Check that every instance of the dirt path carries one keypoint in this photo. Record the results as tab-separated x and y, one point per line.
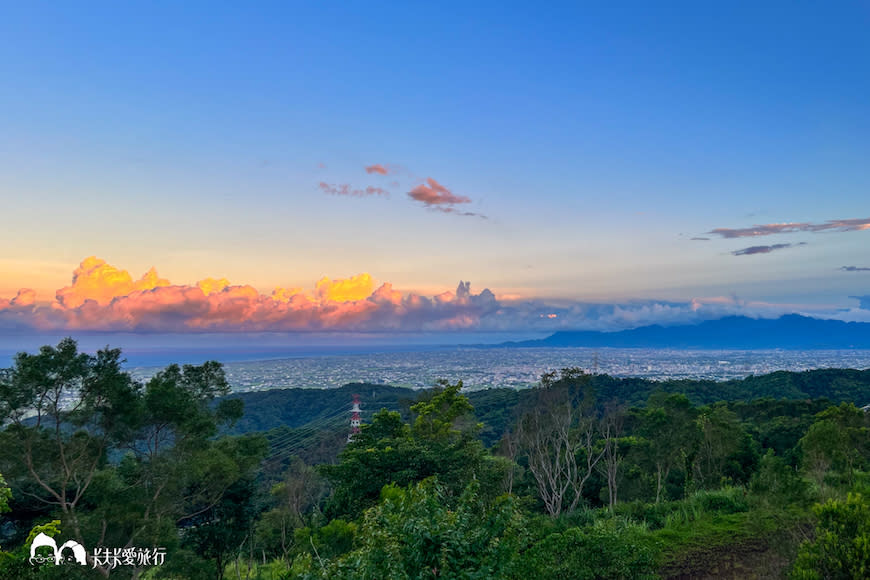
747	561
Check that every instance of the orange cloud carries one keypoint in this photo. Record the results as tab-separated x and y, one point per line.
210	285
287	294
433	193
437	197
379	169
354	288
96	280
25	297
386	294
105	298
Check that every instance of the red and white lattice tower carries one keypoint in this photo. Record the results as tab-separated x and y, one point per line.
355	419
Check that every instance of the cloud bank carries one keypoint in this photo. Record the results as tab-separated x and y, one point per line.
854	269
104	298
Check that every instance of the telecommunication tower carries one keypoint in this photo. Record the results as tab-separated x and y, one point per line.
355	419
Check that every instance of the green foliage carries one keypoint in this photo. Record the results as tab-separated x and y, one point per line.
294	408
698	505
777	484
668	425
418	532
328	541
837	440
16	565
437	417
495	407
416	494
441	443
719	443
841	547
292	499
5	495
612	548
118	463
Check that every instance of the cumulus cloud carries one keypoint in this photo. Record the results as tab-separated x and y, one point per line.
854	269
379	169
347	189
96	280
24	298
104	298
844	225
764	249
354	288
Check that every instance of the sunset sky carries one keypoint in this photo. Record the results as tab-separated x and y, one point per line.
343	166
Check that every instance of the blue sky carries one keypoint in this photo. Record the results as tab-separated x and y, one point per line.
596	141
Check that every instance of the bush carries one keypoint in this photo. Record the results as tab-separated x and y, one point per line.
841	548
613	548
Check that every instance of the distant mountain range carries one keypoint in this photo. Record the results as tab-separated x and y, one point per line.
733	332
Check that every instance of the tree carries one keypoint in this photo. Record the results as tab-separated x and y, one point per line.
298	493
612	424
837	439
558	435
220	533
65	411
442	441
668	424
176	473
5	495
719	438
122	465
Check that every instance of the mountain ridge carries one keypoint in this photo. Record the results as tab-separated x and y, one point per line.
791	331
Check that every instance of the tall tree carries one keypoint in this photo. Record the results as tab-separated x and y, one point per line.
612	424
839	439
122	465
668	424
558	434
441	441
65	410
719	437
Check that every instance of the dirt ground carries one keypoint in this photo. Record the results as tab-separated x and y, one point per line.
756	560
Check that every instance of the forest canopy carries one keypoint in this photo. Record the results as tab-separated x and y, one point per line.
580	476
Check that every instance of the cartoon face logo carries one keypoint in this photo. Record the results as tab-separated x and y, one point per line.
77	551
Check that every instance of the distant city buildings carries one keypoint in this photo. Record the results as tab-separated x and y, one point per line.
520	367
